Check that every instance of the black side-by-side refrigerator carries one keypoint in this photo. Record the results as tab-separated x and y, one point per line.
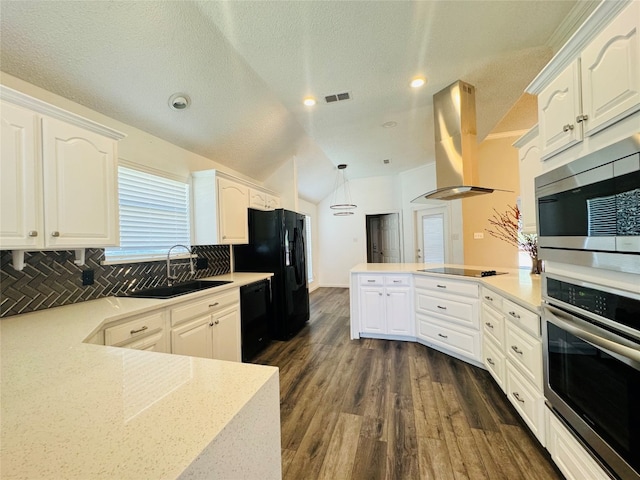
277	244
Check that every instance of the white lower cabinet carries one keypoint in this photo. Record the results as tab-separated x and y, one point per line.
447	314
567	453
385	305
208	328
147	331
512	353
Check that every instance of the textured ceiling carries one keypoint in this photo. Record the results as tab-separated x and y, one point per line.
248	64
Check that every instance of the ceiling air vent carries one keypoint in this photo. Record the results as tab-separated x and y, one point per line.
337	97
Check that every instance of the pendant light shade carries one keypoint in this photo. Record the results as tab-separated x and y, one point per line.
341	194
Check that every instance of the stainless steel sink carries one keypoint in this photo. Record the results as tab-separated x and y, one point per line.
176	290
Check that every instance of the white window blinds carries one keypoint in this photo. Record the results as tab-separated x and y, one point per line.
154	216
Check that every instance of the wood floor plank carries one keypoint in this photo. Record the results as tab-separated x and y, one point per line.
434	460
532	462
402	447
311	453
475	409
355	395
370	461
341	452
450	423
427	416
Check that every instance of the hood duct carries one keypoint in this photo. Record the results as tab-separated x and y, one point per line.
454	110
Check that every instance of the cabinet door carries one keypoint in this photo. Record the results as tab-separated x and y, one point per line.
372	310
558	107
193	338
273	202
80	187
233	201
20	180
530	168
226	335
257	199
399	311
611	72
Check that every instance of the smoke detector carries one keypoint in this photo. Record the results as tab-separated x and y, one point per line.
179	101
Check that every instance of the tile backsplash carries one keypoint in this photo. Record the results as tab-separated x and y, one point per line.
50	279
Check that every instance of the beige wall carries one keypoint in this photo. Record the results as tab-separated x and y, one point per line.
497	168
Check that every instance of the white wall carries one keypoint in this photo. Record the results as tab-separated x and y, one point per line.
311	209
285	181
343	239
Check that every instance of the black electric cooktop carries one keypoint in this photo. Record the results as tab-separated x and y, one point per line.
465	272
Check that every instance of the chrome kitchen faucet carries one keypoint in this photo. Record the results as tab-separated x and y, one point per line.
170	277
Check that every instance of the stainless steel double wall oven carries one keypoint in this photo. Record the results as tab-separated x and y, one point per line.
589	215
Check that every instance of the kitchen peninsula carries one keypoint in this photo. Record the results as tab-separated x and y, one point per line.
77	410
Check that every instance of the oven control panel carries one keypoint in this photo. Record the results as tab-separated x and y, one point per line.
618	308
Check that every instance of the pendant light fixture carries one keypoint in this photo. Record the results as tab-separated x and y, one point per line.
341	194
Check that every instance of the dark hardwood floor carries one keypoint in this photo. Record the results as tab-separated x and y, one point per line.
381	409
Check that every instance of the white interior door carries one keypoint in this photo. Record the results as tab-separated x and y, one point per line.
390	238
432	227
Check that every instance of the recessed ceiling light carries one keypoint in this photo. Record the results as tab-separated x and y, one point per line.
179	101
309	101
390	124
418	82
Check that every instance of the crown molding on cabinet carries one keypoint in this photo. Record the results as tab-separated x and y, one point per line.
44	108
600	18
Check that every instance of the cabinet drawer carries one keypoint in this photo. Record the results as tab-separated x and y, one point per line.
494	361
467	289
493	325
371	280
397	280
461	340
152	343
526	352
460	312
528	402
526	319
491	298
210	304
137	327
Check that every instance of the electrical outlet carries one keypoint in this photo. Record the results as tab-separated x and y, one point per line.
87	277
478	236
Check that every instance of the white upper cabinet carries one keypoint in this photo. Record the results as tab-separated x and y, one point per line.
262	200
611	72
558	107
20	180
80	185
589	94
220	207
233	201
58	178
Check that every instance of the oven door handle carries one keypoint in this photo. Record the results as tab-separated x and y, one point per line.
593	335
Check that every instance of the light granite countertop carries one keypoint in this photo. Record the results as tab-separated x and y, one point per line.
76	410
517	285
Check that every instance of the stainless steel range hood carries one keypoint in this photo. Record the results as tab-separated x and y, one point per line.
454	110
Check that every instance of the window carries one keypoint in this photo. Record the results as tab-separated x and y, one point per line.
309	247
154	216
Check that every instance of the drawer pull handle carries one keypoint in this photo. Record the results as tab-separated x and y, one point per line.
443	336
489	324
441	308
371	281
515	349
142	329
388	294
440	286
55	234
490	362
514	315
33	233
517	397
214	304
380	293
397	281
487	297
